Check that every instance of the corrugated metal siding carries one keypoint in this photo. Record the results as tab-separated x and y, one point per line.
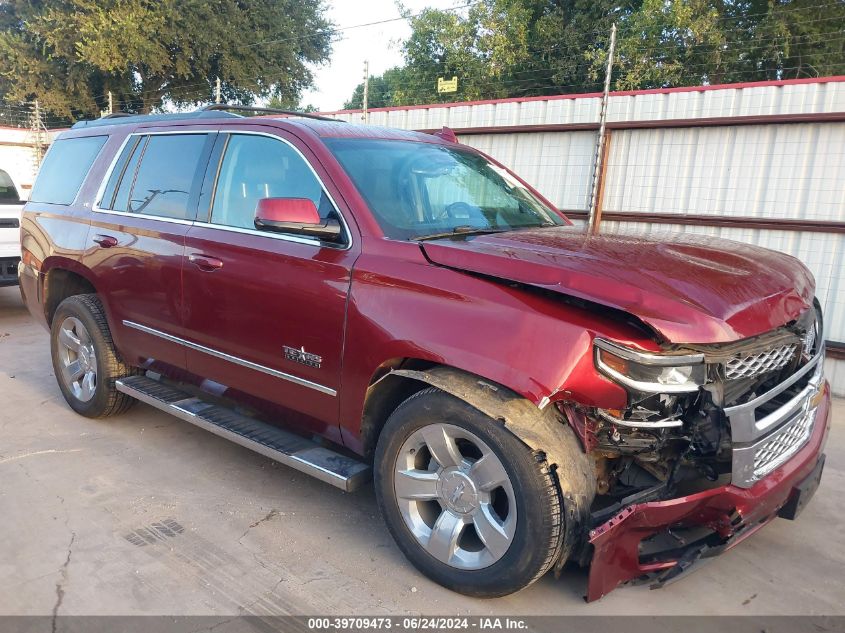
569	111
834	371
786	171
746	100
557	164
801	98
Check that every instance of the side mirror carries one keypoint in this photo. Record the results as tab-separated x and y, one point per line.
298	216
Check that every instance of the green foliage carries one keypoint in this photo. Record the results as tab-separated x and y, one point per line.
689	42
290	104
498	48
518	48
380	92
70	53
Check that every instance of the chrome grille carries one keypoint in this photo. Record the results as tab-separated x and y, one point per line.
783	444
756	364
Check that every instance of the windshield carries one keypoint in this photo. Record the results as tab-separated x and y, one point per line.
417	190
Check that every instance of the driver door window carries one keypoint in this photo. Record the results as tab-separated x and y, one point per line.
256	167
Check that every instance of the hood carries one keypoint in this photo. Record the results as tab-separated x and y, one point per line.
690	289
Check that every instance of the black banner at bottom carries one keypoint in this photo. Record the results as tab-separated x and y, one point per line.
427	624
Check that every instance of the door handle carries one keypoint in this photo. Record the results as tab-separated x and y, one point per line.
106	241
204	262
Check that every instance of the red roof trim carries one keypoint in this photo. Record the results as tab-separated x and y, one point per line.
621	93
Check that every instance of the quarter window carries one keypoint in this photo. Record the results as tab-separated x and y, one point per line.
64	169
256	167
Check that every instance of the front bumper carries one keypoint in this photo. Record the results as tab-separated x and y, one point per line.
731	513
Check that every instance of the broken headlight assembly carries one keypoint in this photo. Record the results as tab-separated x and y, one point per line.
811	325
669	417
650	373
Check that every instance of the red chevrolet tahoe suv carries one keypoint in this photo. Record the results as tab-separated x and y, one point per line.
362	302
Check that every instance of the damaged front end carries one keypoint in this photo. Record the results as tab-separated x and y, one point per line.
714	442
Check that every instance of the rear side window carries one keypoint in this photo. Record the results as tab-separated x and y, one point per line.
64	169
155	174
8	193
131	150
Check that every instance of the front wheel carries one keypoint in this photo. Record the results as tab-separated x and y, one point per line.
470	505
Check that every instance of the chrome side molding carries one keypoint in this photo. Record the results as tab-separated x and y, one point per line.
232	359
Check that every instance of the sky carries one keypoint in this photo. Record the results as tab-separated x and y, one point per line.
335	81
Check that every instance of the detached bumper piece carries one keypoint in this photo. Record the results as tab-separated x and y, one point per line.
657	541
304	455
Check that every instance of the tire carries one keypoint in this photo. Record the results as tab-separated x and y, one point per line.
85	360
520	538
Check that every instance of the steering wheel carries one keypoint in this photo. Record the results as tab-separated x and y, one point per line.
461	210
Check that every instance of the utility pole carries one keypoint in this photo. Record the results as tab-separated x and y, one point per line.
366	115
601	144
38	131
217	96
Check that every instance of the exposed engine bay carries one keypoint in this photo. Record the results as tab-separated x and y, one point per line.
679	441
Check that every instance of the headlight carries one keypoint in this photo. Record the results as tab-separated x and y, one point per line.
651	373
810	339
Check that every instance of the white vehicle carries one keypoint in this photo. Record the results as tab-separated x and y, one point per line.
10	231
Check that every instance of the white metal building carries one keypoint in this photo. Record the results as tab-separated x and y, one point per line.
17	156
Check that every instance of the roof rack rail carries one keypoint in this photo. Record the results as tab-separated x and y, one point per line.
123	118
227	107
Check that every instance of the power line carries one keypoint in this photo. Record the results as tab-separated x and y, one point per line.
364	25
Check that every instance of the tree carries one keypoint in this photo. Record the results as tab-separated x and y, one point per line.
70	53
690	42
498	48
519	48
380	91
290	104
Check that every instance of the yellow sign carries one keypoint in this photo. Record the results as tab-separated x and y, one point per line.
447	85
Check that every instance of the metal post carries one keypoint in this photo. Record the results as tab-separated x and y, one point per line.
598	166
217	91
365	114
38	139
111	104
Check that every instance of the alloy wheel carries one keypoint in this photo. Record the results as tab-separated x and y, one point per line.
78	360
455	496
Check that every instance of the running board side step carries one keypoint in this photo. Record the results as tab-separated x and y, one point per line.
282	446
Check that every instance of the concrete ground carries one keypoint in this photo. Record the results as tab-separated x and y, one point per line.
238	533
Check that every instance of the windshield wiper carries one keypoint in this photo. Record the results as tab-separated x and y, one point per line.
460	230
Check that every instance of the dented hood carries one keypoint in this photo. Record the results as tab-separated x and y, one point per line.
691	289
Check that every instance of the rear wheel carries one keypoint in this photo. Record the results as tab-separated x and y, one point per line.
85	360
469	504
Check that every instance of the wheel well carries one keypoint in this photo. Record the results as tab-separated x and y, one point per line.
385	393
60	284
